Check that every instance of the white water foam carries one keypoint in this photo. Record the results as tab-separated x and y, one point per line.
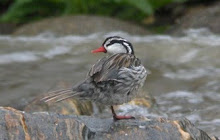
28	56
189	74
48	41
213	122
25	56
202	37
59	50
188	56
191	97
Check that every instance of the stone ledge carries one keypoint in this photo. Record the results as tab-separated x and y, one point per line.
15	124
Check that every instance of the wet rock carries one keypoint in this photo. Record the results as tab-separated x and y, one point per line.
20	125
207	16
17	125
80	25
150	129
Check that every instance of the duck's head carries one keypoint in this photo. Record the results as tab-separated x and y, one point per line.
115	44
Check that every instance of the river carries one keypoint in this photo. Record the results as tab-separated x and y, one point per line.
184	79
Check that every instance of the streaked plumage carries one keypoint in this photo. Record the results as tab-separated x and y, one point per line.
112	80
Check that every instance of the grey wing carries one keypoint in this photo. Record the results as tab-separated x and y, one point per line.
108	68
97	67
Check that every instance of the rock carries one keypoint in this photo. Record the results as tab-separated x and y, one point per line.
80	25
18	125
7	28
198	17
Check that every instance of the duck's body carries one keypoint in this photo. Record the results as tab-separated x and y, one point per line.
113	80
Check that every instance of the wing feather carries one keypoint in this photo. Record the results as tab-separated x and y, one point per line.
107	68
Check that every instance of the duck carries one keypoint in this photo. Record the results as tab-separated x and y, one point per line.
113	80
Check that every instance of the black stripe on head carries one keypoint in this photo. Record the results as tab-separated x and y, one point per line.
117	39
108	38
128	46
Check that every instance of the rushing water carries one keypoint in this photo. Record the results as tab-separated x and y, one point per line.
184	79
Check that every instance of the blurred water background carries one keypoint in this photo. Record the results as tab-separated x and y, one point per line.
184	79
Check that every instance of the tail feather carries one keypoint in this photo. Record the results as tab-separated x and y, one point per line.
55	93
66	97
59	95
